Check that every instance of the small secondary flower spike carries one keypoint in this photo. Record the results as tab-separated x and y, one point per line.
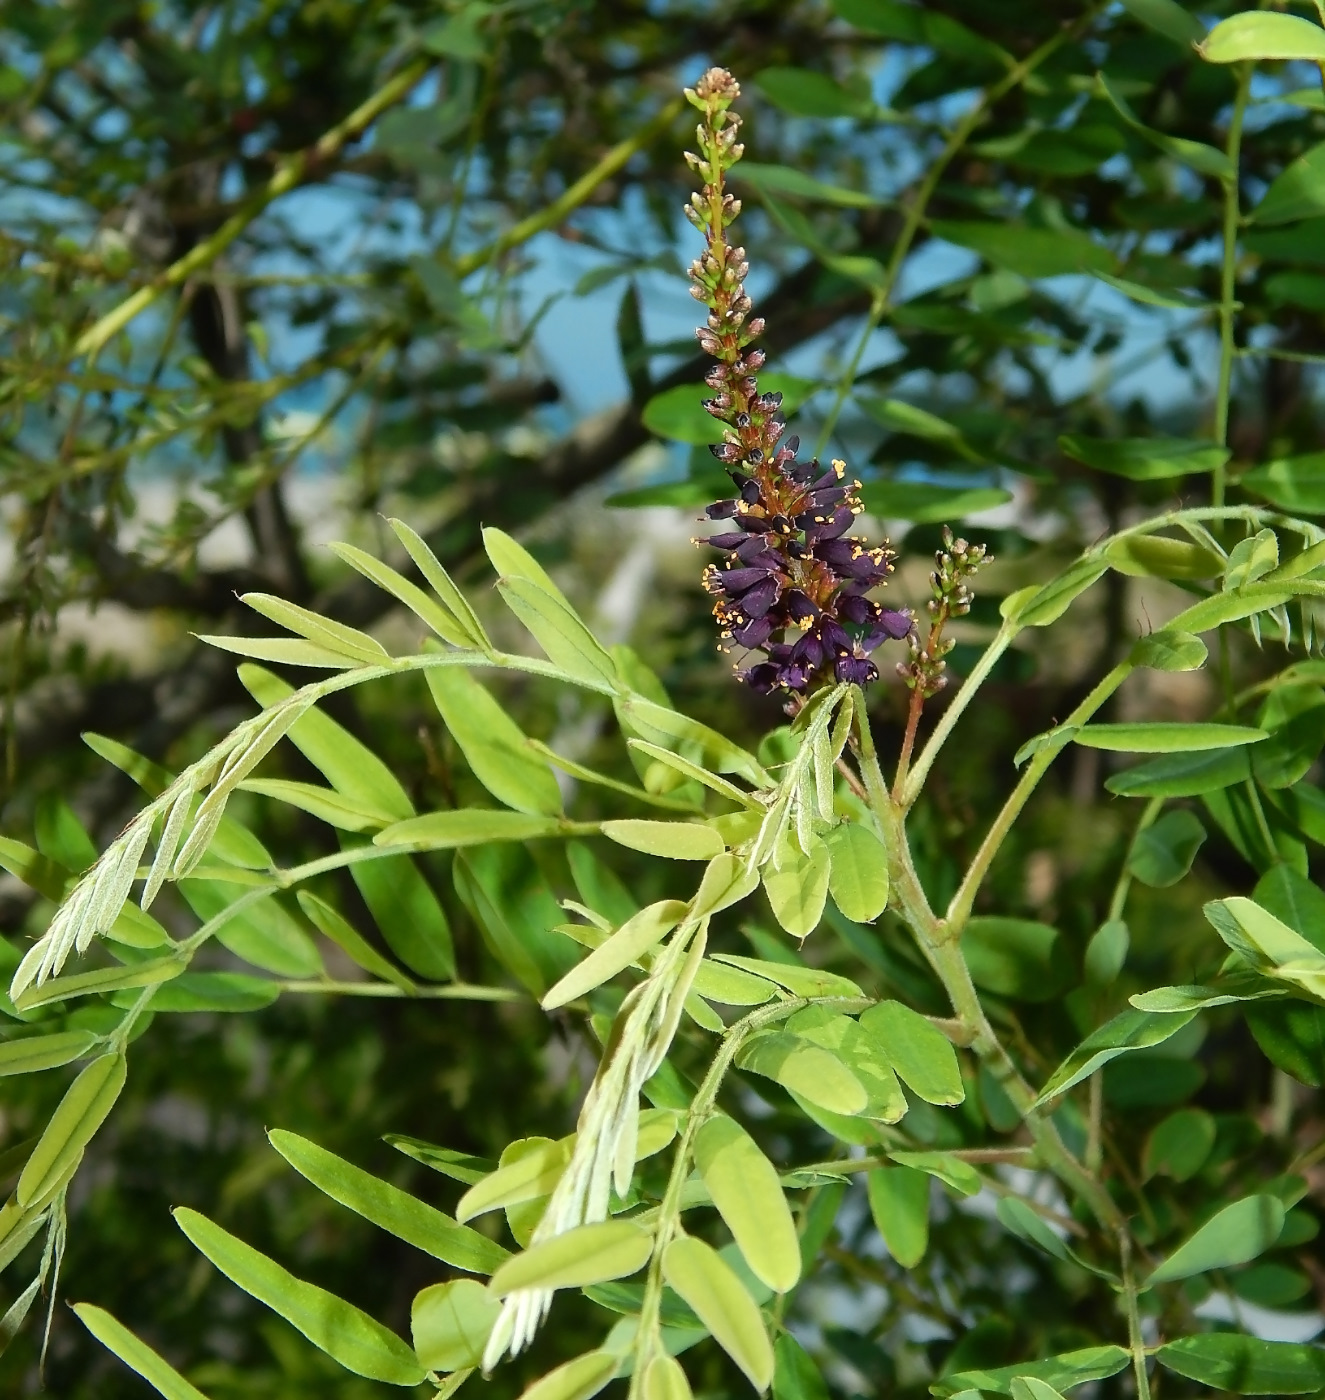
794	582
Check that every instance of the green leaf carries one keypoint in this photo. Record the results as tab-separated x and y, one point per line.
1030	1388
787	180
579	1379
347	1335
1168	650
727	880
388	1207
1146	459
1237	986
210	991
101	979
805	1069
408	914
1235	1235
1048	603
1291	1033
38	1052
919	1052
79	1114
505	891
1221	608
1129	1030
795	1376
1148	296
526	1178
1029	252
1154	556
664	1379
1168	18
321	631
915	24
729	986
677	414
950	1170
558	630
440	619
349	766
903	417
440	581
37	872
743	1185
722	1304
672	840
798	891
1183	774
1295	484
1286	757
1245	1365
924	504
1013	957
327	804
1165	737
622	950
264	934
349	940
1062	1372
493	744
587	1254
1268	943
857	871
450	1324
460	1166
1297	193
283	651
466	826
799	980
1022	1221
1196	154
862	1055
1260	36
899	1203
135	1353
646	719
1106	952
1179	1146
805	93
1163	853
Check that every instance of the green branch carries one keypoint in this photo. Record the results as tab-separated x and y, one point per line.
290	172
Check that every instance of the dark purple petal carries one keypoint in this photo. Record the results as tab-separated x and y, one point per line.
896	623
855	607
761	597
762	678
732	539
754	633
855	670
797	605
739	581
721	510
808	652
835	636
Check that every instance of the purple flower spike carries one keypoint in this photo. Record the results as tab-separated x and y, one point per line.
794	582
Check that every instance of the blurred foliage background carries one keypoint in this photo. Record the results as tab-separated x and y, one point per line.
399	258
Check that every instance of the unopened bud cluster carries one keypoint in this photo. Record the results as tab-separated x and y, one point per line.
951	596
794	582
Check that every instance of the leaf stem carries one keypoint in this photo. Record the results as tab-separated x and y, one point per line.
1135	1340
963	901
1227	308
448	991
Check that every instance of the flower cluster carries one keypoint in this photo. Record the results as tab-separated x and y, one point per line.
794	584
954	566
